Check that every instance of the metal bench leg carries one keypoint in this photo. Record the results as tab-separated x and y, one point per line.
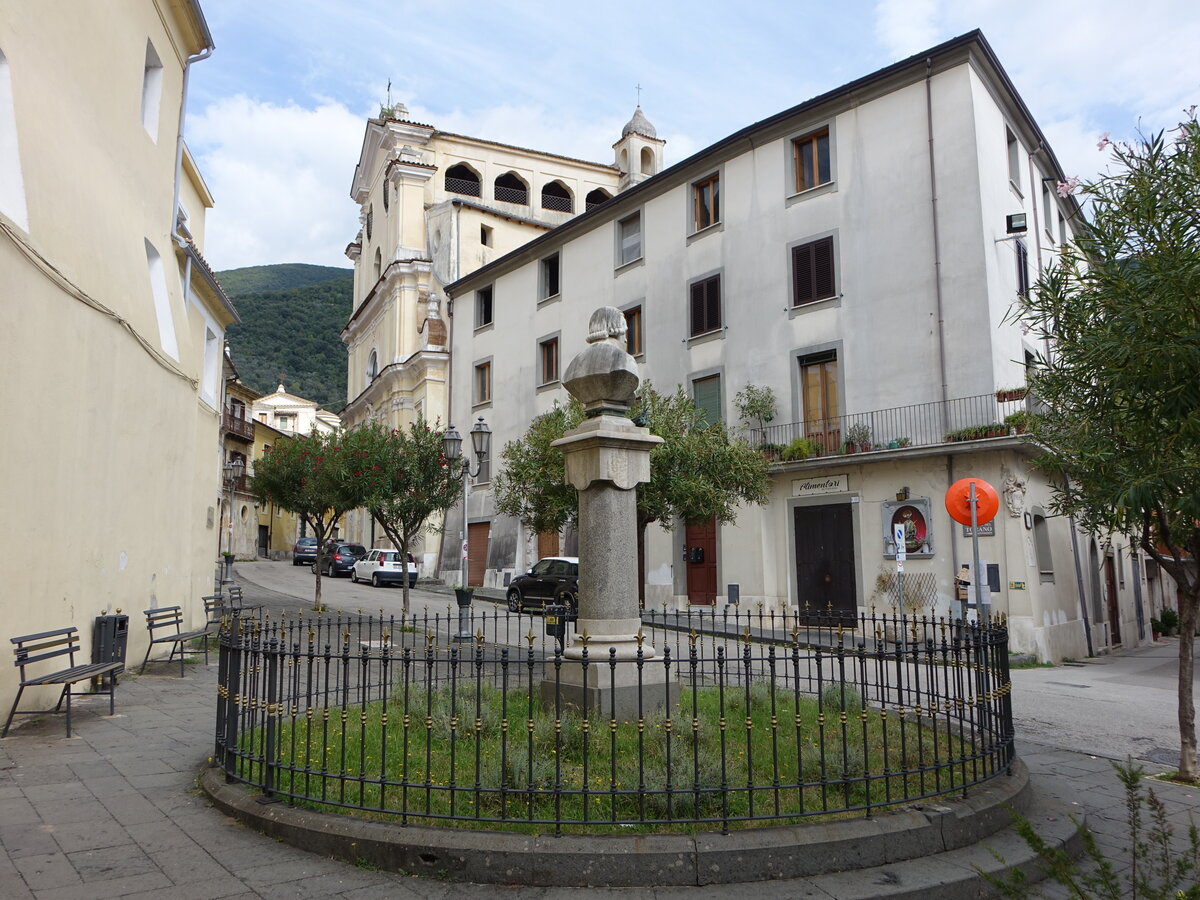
112	693
147	658
63	693
179	647
67	694
12	712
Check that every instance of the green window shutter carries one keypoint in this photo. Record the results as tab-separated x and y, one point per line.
706	394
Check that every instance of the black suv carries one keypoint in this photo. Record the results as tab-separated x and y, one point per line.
338	558
554	579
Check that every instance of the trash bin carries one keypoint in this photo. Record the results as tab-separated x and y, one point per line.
556	621
110	637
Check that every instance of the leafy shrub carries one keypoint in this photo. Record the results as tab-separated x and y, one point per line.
801	448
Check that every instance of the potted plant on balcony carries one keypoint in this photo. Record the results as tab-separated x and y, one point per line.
1018	422
771	452
858	438
1006	395
800	448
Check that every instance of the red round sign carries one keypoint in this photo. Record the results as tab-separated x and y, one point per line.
958	501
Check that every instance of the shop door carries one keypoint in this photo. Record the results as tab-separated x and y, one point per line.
477	550
264	540
825	580
1114	607
700	553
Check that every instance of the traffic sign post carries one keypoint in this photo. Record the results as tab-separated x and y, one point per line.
974	502
901	555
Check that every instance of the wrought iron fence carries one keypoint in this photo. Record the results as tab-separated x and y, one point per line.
557	202
922	424
761	720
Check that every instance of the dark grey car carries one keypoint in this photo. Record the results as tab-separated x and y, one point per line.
554	579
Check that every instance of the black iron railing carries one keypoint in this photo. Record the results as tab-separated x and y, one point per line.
557	203
922	424
512	195
761	720
463	186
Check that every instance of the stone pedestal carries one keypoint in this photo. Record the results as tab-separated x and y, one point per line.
607	457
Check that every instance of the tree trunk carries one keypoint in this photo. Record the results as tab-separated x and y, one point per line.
404	563
1187	709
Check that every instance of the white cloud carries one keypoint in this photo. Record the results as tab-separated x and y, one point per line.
906	27
280	177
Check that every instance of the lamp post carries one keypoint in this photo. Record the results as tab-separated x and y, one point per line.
481	441
234	470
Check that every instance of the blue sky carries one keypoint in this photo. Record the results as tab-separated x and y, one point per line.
276	115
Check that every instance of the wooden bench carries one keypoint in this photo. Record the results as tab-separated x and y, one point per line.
166	627
35	648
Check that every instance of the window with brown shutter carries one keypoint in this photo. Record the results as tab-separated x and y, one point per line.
706	305
812	272
706	202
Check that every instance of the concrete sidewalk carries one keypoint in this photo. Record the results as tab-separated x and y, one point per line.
114	811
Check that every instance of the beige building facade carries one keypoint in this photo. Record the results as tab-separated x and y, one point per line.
111	322
433	207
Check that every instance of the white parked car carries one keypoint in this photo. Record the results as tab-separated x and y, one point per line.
382	567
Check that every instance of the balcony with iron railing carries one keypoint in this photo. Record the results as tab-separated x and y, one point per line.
897	428
237	425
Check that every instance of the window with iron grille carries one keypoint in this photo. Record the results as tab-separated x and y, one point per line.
811	154
509	188
548	361
555	196
706	202
462	179
813	272
705	305
483	307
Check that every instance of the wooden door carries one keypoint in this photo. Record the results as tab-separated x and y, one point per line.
477	550
547	544
700	553
819	385
825	571
1114	607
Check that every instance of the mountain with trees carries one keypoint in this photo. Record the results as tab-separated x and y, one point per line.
292	316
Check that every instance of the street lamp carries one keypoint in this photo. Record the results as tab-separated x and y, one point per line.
234	470
481	441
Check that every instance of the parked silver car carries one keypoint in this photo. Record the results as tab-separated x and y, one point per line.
382	566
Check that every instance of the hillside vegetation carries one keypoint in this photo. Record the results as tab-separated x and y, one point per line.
292	315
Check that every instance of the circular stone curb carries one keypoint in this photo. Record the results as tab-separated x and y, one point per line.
575	860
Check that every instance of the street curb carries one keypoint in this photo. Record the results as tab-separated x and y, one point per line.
924	830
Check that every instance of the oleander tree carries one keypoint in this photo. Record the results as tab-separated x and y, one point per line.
308	475
1120	312
699	471
402	479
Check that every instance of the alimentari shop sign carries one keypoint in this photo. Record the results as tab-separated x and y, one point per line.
824	484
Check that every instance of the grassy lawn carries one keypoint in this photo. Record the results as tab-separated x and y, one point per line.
479	758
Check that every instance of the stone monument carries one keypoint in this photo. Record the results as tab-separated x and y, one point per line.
607	456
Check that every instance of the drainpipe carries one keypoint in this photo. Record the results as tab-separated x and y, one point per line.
1087	628
187	71
937	248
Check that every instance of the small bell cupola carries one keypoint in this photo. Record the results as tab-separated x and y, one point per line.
639	152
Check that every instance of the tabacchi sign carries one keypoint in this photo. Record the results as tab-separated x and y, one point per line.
825	484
